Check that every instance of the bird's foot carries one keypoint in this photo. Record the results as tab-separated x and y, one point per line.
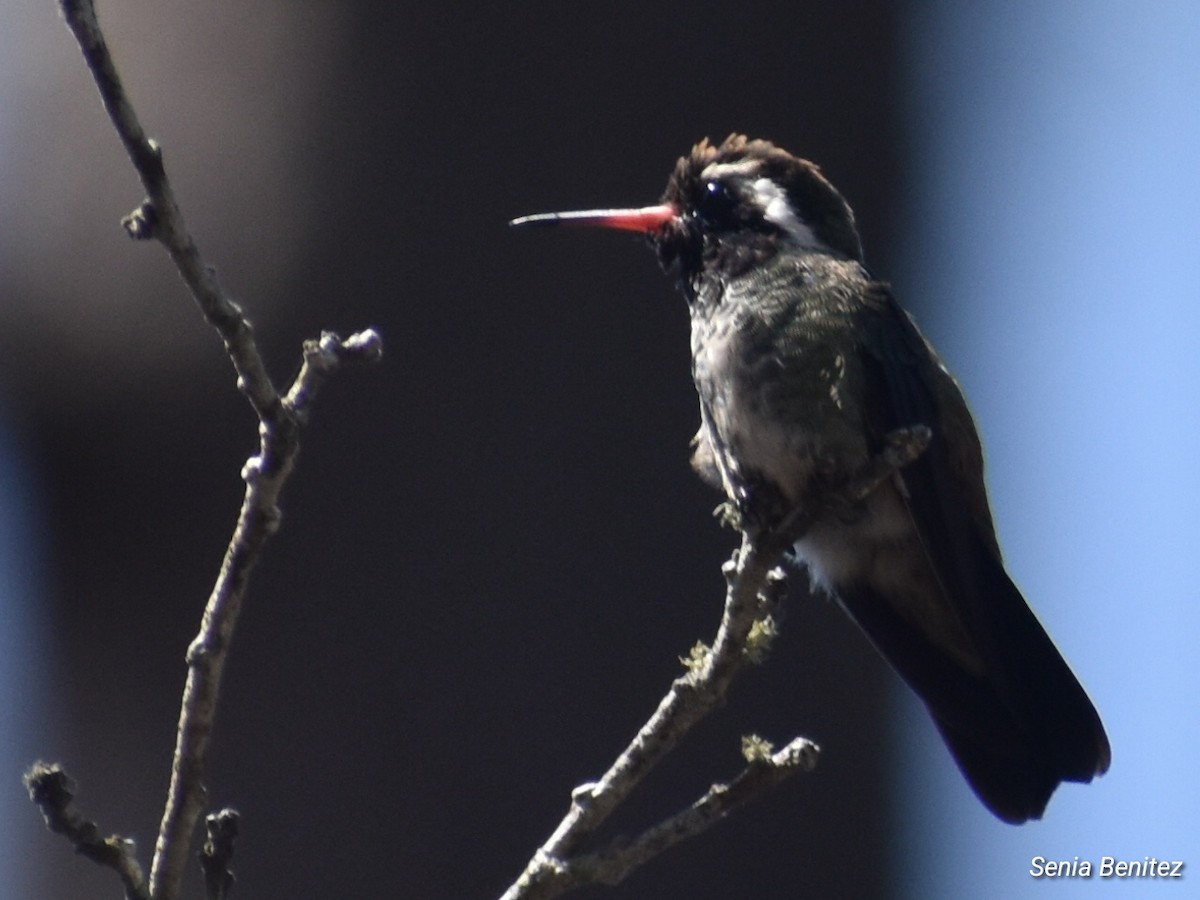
789	524
728	514
901	446
759	506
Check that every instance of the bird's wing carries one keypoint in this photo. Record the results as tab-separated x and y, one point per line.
1057	731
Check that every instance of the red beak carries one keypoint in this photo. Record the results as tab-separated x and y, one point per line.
645	220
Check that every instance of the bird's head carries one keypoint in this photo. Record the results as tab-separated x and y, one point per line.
731	206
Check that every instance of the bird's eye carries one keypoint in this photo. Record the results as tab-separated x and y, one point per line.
717	202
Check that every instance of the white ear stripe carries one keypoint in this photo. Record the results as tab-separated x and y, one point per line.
777	210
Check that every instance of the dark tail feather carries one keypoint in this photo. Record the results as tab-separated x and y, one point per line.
1014	787
1021	728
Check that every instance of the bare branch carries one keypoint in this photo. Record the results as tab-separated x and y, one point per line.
265	474
52	789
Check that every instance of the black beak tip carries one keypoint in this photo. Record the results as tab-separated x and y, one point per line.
541	220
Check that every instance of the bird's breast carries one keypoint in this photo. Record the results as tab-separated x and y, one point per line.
774	404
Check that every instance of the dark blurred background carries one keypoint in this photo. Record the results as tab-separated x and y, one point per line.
494	550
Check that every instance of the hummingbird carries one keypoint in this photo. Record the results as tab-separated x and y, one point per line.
806	367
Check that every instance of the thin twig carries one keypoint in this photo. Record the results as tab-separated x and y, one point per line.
762	774
280	417
52	789
159	215
217	853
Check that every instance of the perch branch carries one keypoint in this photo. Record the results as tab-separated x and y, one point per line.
750	576
280	417
753	585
